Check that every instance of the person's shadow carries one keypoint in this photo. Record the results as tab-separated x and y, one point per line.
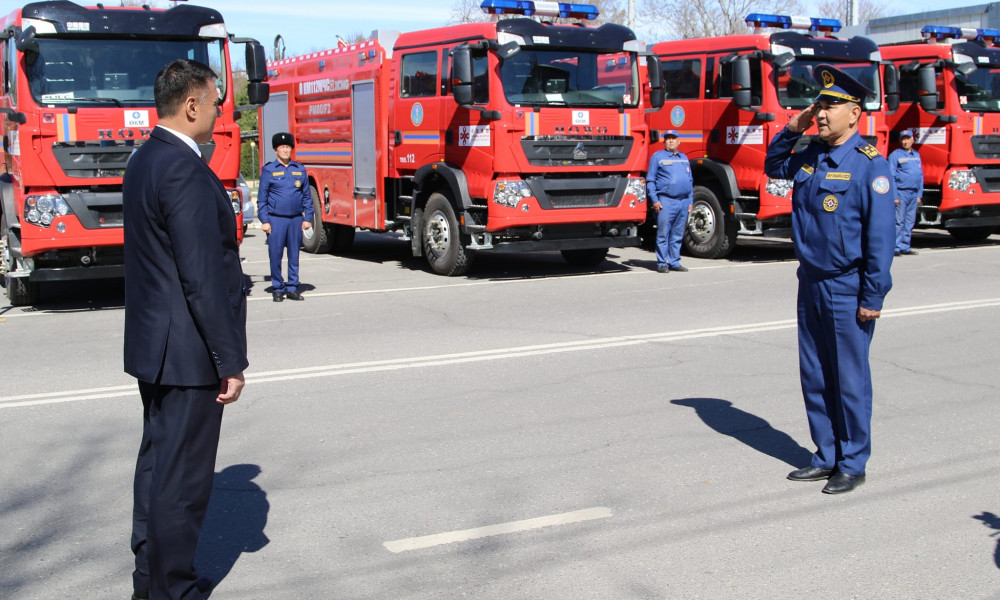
234	523
750	429
993	522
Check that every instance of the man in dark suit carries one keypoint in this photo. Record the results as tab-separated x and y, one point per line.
185	328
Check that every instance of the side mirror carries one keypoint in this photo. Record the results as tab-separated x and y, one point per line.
508	50
27	44
461	70
890	76
657	93
258	93
927	88
784	59
966	68
256	62
741	84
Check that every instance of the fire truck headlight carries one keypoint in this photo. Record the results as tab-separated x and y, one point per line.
779	187
234	197
510	193
961	180
42	210
636	187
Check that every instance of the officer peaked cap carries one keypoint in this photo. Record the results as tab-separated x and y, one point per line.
837	86
282	139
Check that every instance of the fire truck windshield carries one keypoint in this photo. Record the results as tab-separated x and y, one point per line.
797	88
570	78
979	91
121	72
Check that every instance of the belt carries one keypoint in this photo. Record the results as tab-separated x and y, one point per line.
286	216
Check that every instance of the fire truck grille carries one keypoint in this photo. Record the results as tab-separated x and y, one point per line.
585	192
557	150
988	177
96	210
93	159
986	146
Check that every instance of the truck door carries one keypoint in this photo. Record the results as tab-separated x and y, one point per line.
416	119
366	213
274	120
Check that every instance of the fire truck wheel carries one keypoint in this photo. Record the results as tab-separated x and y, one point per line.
971	235
709	233
442	245
587	257
316	240
20	291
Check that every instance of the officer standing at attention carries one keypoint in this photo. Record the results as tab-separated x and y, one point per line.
671	189
282	200
844	234
908	173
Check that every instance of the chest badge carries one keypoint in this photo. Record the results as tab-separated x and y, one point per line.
298	183
830	203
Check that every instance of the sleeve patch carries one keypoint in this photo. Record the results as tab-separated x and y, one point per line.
881	184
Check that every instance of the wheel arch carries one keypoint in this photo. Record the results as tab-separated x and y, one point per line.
707	171
439	177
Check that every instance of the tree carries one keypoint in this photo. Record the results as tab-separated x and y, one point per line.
683	19
837	9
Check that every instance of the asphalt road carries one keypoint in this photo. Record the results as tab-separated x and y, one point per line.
533	430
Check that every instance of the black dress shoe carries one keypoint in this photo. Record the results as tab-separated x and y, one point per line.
909	252
140	595
842	483
810	474
663	269
278	296
294	296
679	269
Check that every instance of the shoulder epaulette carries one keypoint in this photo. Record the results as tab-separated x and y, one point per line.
868	150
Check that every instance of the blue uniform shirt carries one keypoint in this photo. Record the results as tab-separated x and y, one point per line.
669	177
907	169
283	192
843	210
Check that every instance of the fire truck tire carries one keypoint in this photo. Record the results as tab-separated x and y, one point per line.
709	233
20	291
446	255
586	257
316	240
971	235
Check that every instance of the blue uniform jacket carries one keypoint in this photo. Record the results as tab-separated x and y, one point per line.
283	192
907	169
669	176
843	210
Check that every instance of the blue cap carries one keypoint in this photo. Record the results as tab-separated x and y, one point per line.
670	132
837	86
906	133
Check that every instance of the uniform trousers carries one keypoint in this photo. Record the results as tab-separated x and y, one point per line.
173	481
286	233
671	223
834	371
906	217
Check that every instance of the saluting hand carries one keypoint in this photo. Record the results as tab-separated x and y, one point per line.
804	119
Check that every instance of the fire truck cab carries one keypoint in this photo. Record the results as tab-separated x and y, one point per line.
76	98
502	136
949	88
728	96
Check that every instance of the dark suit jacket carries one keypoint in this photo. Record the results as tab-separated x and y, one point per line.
185	303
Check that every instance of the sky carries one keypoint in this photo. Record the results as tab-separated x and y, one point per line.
312	25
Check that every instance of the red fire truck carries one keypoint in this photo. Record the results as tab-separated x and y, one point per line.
728	96
77	99
510	135
949	93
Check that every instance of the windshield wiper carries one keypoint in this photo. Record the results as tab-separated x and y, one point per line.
116	101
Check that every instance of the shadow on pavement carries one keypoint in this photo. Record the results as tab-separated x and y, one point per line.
993	522
234	524
748	428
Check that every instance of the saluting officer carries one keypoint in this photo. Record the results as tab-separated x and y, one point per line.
285	209
844	234
671	190
908	173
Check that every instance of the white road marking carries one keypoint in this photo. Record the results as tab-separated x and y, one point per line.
438	360
427	541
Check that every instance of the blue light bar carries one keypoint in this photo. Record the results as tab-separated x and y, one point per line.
759	20
938	32
531	8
